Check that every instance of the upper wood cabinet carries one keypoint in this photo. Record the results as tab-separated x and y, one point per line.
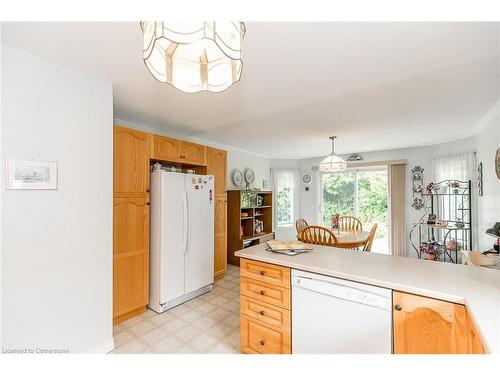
192	153
174	150
217	166
130	162
164	148
428	326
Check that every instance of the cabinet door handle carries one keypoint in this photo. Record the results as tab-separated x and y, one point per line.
262	342
398	307
261	312
262	273
262	292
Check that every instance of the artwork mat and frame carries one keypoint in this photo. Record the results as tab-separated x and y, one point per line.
31	174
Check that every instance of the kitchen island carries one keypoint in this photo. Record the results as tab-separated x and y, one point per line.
478	289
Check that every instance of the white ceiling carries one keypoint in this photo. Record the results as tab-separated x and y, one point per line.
375	85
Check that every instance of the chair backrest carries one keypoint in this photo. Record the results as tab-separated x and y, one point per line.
350	223
371	236
318	235
300	224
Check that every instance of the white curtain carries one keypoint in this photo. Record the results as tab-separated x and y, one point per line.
461	167
455	167
286	181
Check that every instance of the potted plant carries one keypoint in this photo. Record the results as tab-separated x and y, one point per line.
430	251
455	186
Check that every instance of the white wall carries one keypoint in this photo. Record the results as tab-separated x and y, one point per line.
236	158
487	142
1	184
57	244
415	156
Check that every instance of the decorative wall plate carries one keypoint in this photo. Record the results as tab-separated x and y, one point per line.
237	177
497	163
249	176
307	178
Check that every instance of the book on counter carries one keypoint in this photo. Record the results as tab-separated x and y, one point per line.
288	247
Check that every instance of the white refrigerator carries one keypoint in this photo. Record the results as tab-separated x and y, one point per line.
182	238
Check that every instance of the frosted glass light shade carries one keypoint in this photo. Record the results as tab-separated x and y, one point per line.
196	56
333	163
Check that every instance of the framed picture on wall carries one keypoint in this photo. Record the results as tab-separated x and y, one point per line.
30	174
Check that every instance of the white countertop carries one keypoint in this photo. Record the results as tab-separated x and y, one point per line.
476	287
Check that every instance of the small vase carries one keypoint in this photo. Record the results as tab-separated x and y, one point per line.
455	191
430	257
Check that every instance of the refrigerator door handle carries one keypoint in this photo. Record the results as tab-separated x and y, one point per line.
188	225
184	222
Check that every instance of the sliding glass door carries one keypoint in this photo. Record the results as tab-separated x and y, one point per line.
362	193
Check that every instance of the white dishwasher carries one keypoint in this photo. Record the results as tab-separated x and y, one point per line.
336	316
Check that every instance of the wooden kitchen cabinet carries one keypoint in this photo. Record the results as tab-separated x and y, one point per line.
165	148
130	163
265	318
220	236
425	325
131	151
217	166
130	256
193	153
475	345
177	151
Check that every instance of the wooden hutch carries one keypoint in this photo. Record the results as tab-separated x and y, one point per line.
249	220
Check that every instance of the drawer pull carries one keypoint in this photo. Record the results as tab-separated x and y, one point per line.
262	292
398	307
262	273
261	312
262	342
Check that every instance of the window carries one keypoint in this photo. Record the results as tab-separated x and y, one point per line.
285	182
362	193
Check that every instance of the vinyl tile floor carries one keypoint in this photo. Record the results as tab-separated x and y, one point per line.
207	324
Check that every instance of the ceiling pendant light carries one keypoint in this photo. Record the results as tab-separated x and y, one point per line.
194	56
333	162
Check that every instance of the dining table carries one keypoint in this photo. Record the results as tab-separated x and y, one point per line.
350	238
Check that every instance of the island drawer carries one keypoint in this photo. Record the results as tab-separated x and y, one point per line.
259	337
273	294
265	312
266	272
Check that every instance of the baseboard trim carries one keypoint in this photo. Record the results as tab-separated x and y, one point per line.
104	348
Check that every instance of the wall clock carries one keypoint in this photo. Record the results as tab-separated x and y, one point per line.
237	177
307	178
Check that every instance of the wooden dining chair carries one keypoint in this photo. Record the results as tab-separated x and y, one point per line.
350	223
300	224
318	235
371	236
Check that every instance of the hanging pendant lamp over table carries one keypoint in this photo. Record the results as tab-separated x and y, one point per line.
194	56
333	162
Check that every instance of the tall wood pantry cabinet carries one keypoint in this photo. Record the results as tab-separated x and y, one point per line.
130	222
217	166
